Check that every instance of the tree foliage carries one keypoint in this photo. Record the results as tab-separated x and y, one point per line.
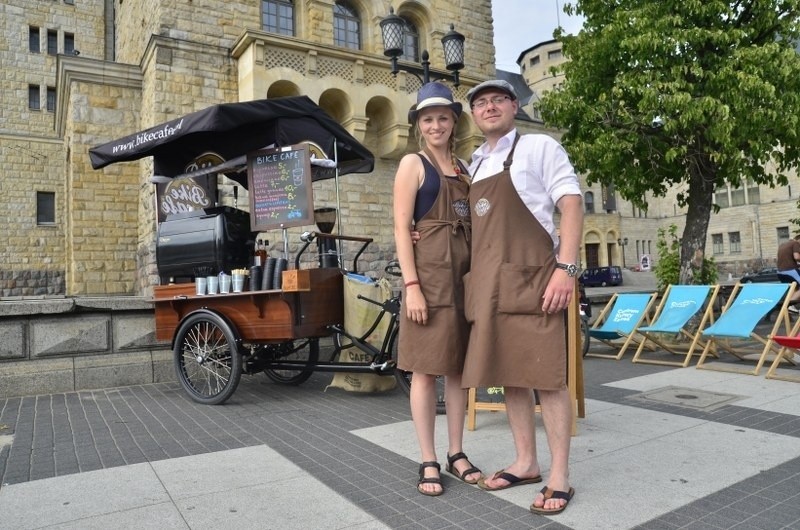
685	94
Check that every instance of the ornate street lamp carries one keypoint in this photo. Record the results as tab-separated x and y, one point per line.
393	31
623	243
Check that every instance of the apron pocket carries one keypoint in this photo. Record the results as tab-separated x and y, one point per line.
436	279
521	289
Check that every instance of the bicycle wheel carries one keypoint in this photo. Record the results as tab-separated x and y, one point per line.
307	352
585	335
404	378
207	361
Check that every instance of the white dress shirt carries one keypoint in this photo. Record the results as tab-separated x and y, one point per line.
541	173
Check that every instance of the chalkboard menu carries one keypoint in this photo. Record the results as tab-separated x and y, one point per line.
279	188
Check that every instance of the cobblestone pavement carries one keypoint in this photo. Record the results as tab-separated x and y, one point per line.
148	457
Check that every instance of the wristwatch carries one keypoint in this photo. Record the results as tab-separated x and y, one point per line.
571	268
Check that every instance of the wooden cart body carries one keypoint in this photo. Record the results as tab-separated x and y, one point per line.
260	316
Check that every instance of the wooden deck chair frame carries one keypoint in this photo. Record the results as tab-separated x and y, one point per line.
791	344
653	335
629	338
574	374
715	344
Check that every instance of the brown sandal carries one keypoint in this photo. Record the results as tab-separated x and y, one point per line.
431	480
512	480
460	476
553	494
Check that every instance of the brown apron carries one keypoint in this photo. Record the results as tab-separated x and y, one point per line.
442	259
512	342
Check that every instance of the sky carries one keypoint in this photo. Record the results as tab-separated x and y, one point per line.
520	24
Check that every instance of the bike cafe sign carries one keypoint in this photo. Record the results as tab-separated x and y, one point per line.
187	194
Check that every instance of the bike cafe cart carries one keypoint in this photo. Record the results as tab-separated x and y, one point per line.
275	148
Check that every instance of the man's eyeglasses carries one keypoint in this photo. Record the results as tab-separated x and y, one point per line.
494	100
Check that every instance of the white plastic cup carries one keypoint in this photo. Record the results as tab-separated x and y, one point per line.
201	284
213	284
238	283
224	284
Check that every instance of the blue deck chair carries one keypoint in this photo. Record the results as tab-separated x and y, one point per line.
735	330
618	320
673	320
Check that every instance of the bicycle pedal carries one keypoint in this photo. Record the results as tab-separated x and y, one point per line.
384	367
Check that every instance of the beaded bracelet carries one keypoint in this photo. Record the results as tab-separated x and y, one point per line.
412	282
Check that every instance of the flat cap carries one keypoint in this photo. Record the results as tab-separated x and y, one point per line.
498	84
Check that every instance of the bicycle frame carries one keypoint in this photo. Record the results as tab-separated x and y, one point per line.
381	362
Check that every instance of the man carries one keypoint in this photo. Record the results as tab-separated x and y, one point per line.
520	282
788	261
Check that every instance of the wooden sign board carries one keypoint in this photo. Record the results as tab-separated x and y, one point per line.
279	188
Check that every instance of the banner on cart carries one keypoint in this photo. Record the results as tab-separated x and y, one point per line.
279	186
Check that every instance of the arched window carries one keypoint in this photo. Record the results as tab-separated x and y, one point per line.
346	26
277	16
588	201
410	42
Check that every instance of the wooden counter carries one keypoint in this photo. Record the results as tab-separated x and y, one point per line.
259	316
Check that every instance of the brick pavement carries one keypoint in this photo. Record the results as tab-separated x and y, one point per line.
63	434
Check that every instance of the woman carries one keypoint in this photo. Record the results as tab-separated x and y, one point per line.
430	197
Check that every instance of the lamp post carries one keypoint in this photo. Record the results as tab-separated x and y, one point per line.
393	32
623	243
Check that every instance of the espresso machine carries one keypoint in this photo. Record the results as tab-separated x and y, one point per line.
325	218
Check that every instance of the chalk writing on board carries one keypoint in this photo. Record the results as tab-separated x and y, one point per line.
279	185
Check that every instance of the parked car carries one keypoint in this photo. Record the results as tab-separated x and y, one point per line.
601	276
770	274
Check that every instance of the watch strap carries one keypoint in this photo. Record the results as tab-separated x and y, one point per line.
571	268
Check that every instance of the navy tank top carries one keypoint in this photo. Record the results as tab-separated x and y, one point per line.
426	195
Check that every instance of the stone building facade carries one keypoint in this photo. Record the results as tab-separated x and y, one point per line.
107	68
34	34
83	72
743	236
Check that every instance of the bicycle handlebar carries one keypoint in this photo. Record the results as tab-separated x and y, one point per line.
308	238
392	305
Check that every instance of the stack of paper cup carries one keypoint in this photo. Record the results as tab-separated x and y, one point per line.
213	284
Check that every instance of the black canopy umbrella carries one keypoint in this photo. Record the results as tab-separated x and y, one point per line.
233	129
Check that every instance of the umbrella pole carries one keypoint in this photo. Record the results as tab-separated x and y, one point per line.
336	181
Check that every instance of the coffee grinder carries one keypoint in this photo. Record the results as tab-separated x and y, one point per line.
326	247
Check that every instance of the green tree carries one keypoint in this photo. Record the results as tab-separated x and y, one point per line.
686	94
668	270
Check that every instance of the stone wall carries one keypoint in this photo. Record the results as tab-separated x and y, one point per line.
84	20
31	282
179	77
33	259
102	220
66	344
